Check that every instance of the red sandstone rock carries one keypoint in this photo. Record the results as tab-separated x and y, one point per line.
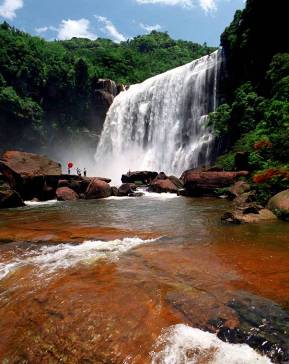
163	185
205	182
66	194
97	189
8	197
29	164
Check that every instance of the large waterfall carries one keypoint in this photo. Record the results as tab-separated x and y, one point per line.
161	124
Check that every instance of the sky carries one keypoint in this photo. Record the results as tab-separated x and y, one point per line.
196	20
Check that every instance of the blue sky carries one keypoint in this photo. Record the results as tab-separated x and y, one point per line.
196	20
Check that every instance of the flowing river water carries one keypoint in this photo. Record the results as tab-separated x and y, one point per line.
140	280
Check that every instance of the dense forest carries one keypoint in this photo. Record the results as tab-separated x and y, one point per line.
255	118
48	89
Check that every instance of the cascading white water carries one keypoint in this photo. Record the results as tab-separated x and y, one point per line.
160	124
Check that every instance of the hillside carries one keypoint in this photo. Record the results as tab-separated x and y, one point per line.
255	118
49	90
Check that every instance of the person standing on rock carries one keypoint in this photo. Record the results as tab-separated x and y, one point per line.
78	171
84	172
69	166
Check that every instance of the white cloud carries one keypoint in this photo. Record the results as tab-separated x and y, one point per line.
9	7
183	3
208	5
110	29
41	29
150	28
75	28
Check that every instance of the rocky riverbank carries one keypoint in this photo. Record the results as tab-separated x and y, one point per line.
27	176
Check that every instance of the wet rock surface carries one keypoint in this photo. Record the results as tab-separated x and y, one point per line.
66	194
263	325
97	189
144	177
279	204
8	197
126	189
200	183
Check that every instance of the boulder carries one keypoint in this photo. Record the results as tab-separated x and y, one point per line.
126	188
245	198
8	197
161	176
77	184
114	191
144	177
248	215
29	164
279	204
136	194
66	194
97	189
238	189
176	181
198	183
163	185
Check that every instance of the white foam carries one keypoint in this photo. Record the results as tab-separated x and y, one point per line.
162	196
119	198
187	345
49	259
40	203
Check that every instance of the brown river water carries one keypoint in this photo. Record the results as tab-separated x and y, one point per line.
141	280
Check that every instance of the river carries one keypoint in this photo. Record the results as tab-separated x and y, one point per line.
134	280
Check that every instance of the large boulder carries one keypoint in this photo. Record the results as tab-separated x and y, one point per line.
29	164
198	183
163	185
97	189
176	181
248	215
126	188
8	197
238	189
77	184
28	173
66	194
279	204
144	177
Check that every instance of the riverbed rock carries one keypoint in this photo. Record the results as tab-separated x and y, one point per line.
136	194
176	181
66	194
239	188
199	183
248	215
142	177
163	185
97	189
279	204
77	184
126	188
245	198
8	197
29	164
114	191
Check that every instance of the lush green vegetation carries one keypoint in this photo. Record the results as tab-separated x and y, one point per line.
256	116
47	89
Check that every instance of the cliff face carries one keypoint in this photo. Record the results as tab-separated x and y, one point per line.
91	111
252	39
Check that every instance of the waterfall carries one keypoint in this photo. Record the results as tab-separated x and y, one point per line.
161	124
